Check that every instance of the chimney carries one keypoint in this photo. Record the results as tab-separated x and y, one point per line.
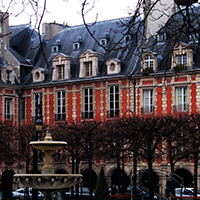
51	29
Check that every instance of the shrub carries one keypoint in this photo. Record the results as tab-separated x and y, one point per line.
102	191
146	71
179	67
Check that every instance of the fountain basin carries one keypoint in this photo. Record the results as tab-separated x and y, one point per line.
48	145
48	181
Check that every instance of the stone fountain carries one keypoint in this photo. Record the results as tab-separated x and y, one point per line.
48	182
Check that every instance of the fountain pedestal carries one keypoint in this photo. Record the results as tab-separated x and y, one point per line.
48	182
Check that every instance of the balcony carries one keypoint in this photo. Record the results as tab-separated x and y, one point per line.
113	113
8	117
147	110
181	108
61	116
87	115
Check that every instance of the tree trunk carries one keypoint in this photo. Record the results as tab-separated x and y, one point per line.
90	177
77	172
72	188
135	175
150	180
118	173
195	173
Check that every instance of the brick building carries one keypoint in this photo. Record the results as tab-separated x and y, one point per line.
72	78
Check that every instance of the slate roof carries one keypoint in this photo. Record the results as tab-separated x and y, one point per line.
69	35
28	49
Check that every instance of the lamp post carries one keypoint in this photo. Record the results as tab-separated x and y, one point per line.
38	126
131	184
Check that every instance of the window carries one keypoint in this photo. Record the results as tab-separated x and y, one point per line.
114	101
38	105
76	46
54	49
60	106
127	38
182	99
148	61
8	108
37	75
8	76
103	42
112	67
88	103
88	68
61	71
148	101
181	59
22	108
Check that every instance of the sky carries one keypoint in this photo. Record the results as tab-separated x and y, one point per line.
69	11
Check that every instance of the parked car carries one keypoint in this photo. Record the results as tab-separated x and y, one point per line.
186	192
20	194
84	195
143	194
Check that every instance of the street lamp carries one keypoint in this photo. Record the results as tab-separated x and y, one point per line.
131	184
38	127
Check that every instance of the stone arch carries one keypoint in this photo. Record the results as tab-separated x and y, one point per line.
143	180
112	177
85	178
60	171
187	178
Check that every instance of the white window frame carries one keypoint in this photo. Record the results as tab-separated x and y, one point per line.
61	72
148	100
148	61
8	108
54	49
76	46
88	102
88	69
60	103
182	99
114	100
181	59
103	41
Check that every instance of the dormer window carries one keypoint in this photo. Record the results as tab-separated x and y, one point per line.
61	65
181	59
8	76
56	46
88	69
54	49
103	41
61	71
182	55
38	74
76	46
88	64
113	66
149	60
